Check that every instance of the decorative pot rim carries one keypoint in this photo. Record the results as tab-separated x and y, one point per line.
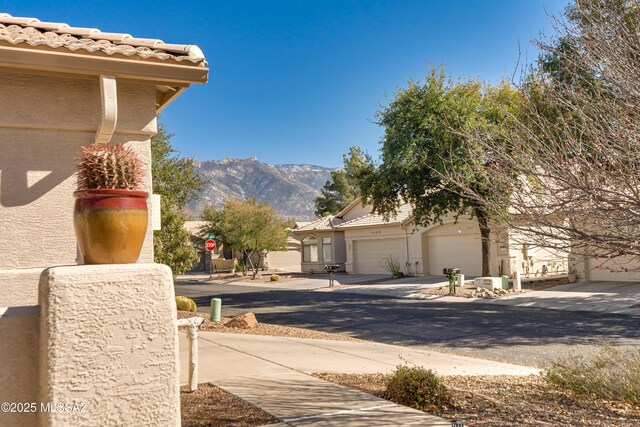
109	192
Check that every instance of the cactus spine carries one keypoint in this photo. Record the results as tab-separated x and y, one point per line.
108	167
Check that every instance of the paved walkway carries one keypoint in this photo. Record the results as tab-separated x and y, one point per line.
271	373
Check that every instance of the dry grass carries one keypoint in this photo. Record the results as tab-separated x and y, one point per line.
510	400
210	406
609	374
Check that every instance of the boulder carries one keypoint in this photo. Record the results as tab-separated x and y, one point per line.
245	321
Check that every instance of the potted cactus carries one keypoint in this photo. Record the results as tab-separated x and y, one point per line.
110	217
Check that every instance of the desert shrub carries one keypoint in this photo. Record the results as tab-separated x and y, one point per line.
275	278
611	374
186	304
418	388
239	267
392	266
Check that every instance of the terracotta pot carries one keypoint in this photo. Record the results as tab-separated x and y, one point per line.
110	225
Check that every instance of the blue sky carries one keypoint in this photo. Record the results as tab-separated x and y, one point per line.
300	81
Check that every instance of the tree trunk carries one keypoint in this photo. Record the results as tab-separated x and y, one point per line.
244	263
485	232
254	267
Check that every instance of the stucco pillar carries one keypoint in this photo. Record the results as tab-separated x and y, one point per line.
109	346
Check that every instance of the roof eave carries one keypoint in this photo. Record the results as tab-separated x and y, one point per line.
385	224
73	63
350	206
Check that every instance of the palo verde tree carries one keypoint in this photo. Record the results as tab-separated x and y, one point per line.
424	142
249	227
575	142
343	188
177	182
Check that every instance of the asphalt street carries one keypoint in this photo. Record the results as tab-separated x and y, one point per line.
527	336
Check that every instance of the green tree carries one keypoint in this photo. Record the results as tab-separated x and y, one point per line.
177	182
343	188
574	142
250	227
425	144
172	244
174	178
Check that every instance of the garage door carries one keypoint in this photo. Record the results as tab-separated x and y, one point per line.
462	251
368	255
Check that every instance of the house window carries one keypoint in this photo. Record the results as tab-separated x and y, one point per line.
310	249
326	249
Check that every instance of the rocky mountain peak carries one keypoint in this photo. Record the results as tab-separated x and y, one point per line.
290	188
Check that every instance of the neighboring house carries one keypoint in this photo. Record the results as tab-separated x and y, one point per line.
222	258
359	242
63	88
603	269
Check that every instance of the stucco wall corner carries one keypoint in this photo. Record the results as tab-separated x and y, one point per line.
108	337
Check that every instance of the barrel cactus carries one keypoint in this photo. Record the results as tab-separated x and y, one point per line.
186	304
103	166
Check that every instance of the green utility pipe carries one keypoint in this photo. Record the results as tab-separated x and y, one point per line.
216	308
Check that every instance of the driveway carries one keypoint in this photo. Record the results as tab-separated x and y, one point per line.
603	297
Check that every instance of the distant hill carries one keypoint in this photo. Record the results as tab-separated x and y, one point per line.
290	189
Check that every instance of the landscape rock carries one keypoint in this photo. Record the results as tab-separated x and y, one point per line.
245	321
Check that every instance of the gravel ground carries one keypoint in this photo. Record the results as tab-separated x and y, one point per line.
510	400
468	289
265	329
262	276
210	406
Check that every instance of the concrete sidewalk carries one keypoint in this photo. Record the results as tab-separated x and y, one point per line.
271	373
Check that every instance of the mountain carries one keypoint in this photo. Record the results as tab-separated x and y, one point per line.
290	189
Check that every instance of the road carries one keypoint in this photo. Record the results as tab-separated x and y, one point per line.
526	336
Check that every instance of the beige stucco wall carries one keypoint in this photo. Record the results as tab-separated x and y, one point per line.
288	260
337	251
602	269
18	360
19	287
41	131
109	337
44	120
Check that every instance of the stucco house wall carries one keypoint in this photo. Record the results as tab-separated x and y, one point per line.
50	81
337	251
288	260
602	269
42	130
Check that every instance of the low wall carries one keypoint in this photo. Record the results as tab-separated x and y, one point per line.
109	342
19	287
18	363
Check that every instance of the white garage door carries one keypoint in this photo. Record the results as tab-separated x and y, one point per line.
368	255
462	251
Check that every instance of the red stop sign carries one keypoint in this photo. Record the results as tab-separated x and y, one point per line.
210	244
